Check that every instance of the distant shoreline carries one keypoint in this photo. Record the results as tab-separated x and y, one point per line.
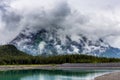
62	66
25	67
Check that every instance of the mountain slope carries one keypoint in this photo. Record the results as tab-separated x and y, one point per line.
44	42
9	55
10	50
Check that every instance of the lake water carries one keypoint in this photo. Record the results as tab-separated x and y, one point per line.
51	74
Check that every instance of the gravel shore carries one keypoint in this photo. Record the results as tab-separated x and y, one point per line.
63	66
25	67
110	76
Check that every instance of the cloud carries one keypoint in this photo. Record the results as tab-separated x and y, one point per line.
94	19
9	21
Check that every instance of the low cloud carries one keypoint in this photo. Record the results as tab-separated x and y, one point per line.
72	19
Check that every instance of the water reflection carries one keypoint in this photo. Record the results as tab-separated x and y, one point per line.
51	74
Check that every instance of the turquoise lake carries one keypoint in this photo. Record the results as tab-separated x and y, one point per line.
52	74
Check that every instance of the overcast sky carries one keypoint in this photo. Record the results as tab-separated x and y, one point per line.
93	18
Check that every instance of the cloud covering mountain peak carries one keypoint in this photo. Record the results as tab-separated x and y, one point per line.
95	19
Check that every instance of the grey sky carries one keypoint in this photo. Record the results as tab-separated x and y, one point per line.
93	18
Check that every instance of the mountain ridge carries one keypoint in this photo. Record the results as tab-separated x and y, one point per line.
44	42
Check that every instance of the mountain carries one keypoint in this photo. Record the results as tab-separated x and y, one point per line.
10	50
45	42
10	55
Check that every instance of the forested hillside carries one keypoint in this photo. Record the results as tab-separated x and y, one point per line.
10	55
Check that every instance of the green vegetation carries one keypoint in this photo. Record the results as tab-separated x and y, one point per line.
9	55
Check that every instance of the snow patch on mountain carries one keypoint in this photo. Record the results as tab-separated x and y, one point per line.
44	42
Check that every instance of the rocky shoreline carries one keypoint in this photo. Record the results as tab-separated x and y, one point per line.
63	66
110	76
25	67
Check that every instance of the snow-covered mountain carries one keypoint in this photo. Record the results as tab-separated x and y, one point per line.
44	42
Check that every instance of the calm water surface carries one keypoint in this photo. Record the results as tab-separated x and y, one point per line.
51	74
